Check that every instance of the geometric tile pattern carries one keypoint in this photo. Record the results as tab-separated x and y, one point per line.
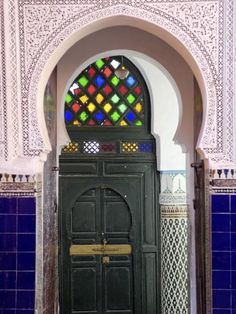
174	260
102	96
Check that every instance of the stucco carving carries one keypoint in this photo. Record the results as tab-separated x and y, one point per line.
36	28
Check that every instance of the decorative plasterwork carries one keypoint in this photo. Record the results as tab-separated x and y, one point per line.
34	29
173	187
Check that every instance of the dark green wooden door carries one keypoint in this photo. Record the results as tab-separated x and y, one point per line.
99	215
116	204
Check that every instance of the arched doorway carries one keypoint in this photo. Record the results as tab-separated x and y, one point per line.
109	216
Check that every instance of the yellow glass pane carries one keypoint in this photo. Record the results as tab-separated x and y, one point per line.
123	123
91	107
107	107
76	122
84	99
138	107
99	98
130	147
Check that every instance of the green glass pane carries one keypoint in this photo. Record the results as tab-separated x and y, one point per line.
115	81
122	108
138	123
115	116
131	98
83	116
83	81
68	98
115	98
99	63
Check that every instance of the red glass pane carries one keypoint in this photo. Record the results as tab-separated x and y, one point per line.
77	91
107	72
107	89
138	90
75	107
91	72
91	89
123	90
107	123
91	122
108	148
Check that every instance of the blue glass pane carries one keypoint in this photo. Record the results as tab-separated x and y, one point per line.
68	116
130	81
99	81
99	116
130	116
146	147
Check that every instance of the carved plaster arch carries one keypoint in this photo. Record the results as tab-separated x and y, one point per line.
194	28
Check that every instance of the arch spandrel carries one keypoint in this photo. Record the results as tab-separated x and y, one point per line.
200	43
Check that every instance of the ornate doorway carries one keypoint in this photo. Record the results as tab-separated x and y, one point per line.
109	218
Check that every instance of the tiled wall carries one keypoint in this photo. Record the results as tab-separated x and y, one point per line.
224	253
17	255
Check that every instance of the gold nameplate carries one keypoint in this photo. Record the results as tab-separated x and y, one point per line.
100	249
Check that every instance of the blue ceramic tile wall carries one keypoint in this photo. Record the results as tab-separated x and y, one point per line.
17	255
224	253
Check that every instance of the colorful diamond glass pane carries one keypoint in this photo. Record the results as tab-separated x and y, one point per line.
91	89
99	81
99	116
108	148
129	147
68	116
138	123
107	72
83	81
115	64
130	98
91	107
115	98
68	98
83	116
130	117
130	81
123	123
75	107
123	90
107	89
74	87
84	99
76	122
107	107
115	81
122	108
107	123
91	122
138	107
99	63
99	98
77	91
115	116
137	90
146	147
91	72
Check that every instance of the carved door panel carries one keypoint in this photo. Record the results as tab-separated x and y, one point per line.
101	241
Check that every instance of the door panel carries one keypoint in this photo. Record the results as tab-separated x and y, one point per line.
99	283
126	194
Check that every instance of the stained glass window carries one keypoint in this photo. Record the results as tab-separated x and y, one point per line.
100	97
